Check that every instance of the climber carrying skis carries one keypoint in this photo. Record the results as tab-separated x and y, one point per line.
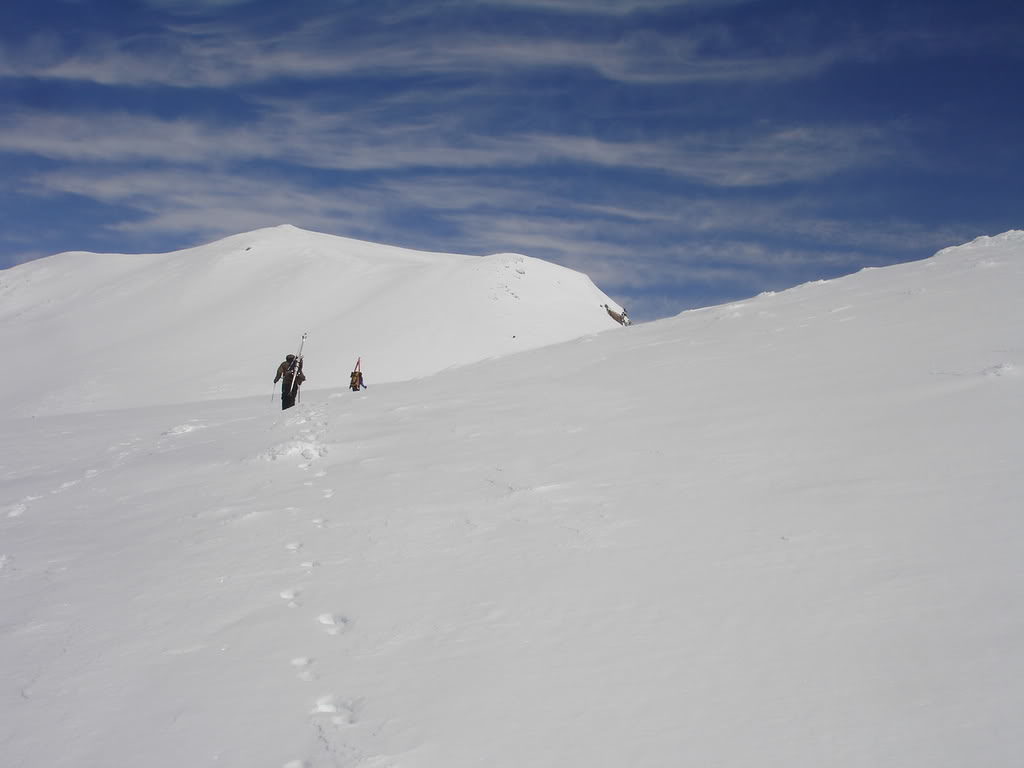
356	380
290	374
622	318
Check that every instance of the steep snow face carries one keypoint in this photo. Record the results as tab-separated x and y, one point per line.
783	532
99	331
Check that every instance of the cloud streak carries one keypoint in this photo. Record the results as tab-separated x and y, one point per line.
653	242
200	51
355	142
209	55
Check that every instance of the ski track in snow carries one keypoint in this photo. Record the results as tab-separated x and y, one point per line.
303	441
329	714
184	429
16	510
308	443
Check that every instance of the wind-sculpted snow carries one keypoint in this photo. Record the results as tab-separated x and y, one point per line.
308	437
95	332
783	532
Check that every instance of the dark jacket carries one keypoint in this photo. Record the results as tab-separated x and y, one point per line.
283	372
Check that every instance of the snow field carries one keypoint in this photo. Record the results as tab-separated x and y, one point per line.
783	532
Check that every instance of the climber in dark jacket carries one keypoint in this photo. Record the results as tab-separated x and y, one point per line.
290	374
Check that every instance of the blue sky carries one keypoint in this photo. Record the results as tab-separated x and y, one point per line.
681	153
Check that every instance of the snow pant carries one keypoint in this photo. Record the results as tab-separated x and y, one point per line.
288	395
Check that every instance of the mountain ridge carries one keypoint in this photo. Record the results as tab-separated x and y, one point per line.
211	321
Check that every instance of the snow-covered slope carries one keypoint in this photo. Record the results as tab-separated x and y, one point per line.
782	533
97	331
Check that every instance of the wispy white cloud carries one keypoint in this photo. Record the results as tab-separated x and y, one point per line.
214	55
782	217
641	241
612	258
356	141
648	243
488	211
770	156
195	6
206	202
121	137
611	7
210	52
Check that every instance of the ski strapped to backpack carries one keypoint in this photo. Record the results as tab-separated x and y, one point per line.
296	365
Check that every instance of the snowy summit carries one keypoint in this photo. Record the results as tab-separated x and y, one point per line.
214	321
782	533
